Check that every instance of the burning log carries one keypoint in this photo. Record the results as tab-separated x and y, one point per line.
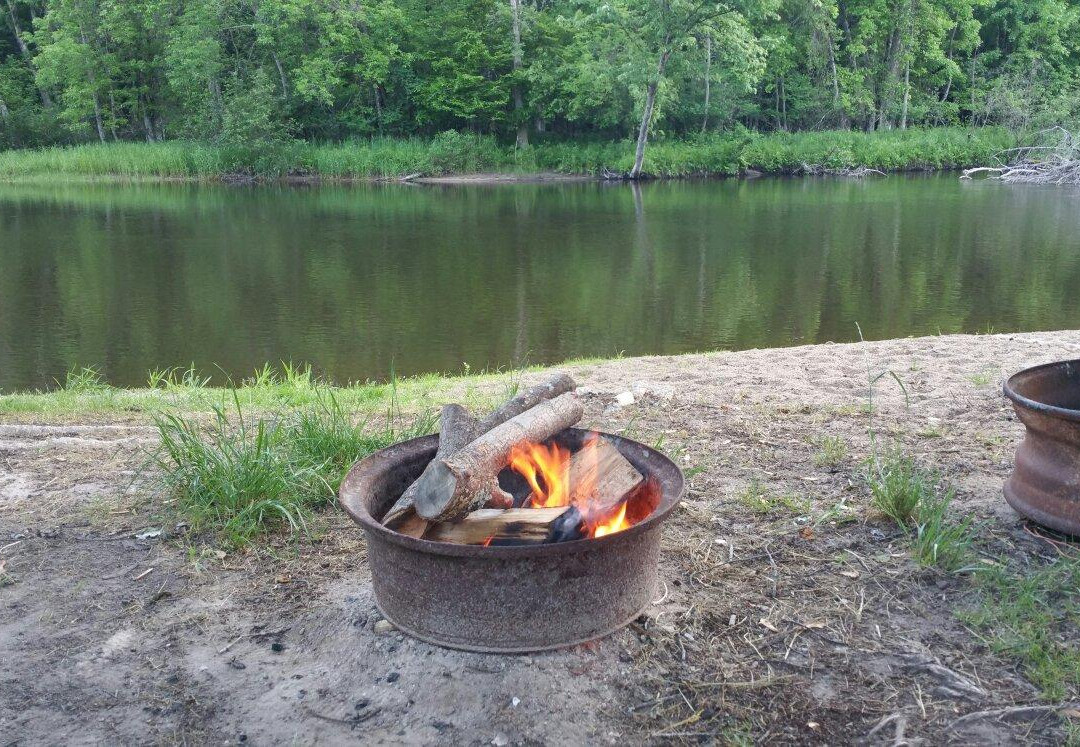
599	481
497	526
456	429
453	485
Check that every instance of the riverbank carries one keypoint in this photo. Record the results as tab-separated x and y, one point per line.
792	611
724	154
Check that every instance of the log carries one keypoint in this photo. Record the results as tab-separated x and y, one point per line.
457	428
555	385
454	485
497	526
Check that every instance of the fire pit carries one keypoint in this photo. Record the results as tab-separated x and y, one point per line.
1045	484
508	598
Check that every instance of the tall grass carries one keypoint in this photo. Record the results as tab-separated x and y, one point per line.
714	154
241	477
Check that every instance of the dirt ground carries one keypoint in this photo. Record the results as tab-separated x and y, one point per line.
787	624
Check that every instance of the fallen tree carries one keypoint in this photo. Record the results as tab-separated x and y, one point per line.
1048	162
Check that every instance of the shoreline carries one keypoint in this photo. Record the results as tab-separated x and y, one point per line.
475	159
648	373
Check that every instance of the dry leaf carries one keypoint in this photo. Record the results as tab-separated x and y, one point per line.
282	579
850	574
807	533
766	624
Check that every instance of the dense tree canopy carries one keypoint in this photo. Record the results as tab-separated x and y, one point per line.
262	70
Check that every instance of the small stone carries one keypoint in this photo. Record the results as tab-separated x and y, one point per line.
500	740
392	677
382	627
362	703
515	702
624	399
277	647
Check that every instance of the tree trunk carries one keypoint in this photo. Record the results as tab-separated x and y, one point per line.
837	103
97	117
3	110
708	80
112	117
907	96
519	100
24	50
646	117
281	76
378	107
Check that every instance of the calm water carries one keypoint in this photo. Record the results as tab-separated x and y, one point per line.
357	280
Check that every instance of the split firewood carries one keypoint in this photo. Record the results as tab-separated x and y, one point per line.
454	485
497	525
457	428
601	478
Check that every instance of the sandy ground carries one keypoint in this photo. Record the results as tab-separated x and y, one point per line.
788	625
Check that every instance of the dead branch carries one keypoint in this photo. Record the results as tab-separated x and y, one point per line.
1056	163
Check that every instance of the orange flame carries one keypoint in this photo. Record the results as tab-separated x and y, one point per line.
547	470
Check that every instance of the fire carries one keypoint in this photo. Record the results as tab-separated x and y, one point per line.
547	470
552	464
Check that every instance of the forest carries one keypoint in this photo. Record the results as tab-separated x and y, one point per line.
243	72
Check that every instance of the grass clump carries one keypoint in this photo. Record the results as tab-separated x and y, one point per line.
85	380
918	502
241	477
831	452
1032	615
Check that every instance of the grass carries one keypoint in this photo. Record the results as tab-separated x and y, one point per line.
832	451
1031	614
757	499
715	154
241	477
918	502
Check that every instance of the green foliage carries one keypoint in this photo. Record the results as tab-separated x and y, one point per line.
918	502
1031	614
246	73
242	476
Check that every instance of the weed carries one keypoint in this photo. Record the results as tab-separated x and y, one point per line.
939	542
898	486
983	379
755	498
1031	614
831	453
85	380
917	501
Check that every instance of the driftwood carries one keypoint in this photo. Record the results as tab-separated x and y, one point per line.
497	526
454	485
456	429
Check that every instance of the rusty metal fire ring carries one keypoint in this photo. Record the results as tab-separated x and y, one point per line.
506	599
1045	483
